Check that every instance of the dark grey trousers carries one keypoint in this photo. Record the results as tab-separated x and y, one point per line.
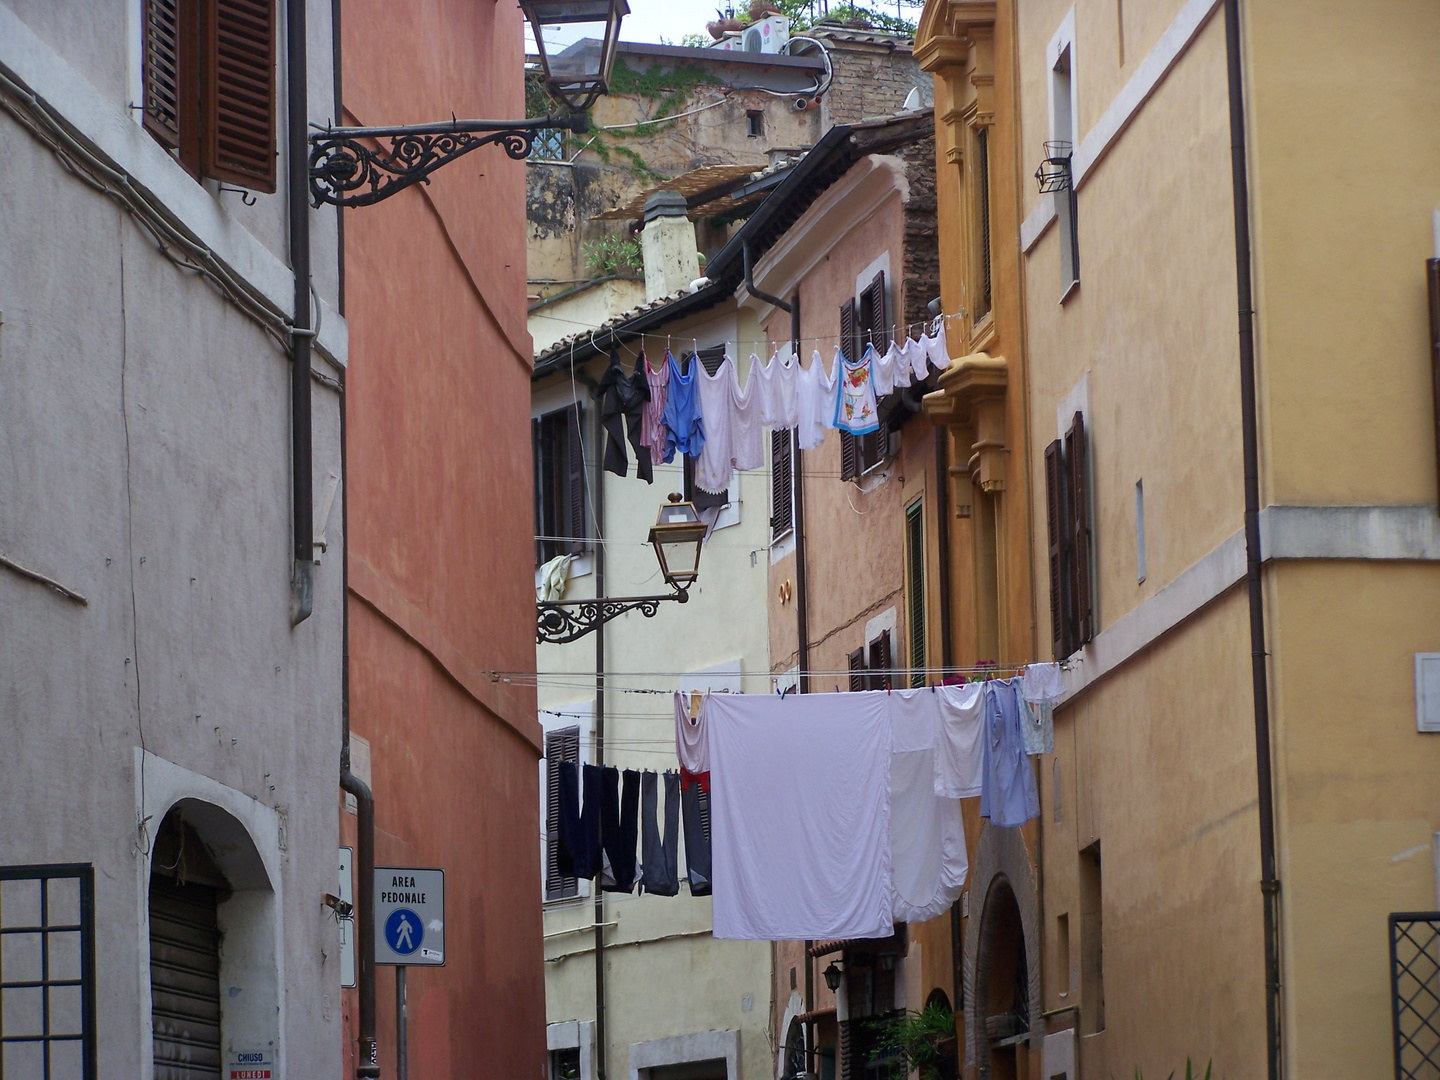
659	853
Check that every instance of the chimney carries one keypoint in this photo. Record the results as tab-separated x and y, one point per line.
668	245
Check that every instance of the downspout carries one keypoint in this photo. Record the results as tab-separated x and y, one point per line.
302	581
1269	884
368	1064
599	560
802	594
942	539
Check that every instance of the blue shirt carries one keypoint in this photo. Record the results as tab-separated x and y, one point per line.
1008	795
684	430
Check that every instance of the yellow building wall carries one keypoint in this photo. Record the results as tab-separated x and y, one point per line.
1359	793
1158	763
1345	174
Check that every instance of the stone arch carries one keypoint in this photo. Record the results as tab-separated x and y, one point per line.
1001	873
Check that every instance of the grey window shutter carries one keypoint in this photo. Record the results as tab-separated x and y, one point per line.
575	472
560	746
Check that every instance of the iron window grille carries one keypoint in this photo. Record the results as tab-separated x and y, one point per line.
47	972
549	145
1415	993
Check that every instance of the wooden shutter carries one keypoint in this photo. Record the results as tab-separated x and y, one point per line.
162	71
874	321
537	459
881	662
560	746
782	483
857	669
1054	500
1080	525
238	93
848	324
915	567
575	480
849	457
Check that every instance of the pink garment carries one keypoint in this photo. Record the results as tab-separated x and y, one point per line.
652	420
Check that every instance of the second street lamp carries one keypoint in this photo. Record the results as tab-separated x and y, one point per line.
677	536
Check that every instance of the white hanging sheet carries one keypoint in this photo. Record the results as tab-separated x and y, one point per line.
800	816
927	834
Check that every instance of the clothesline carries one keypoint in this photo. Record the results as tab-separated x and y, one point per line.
894	330
533	677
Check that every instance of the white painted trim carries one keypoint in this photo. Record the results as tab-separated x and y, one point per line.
1368	533
793	1008
579	1034
678	1049
1132	97
159	785
107	127
878	625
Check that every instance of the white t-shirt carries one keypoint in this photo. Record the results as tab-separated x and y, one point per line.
815	398
715	465
747	436
774	390
960	741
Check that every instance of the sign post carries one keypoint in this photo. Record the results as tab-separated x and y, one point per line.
409	930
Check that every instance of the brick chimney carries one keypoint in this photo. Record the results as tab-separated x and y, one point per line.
668	245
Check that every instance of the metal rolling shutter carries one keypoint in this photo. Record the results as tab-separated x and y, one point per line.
185	980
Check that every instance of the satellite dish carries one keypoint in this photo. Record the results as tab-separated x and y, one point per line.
912	101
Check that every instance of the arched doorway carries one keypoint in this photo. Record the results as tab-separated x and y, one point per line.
1003	982
795	1063
208	885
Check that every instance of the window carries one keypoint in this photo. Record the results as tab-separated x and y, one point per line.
559	484
565	1063
864	324
1062	130
560	746
982	222
1092	943
755	123
1140	531
209	86
915	586
47	971
549	145
782	482
871	667
1067	503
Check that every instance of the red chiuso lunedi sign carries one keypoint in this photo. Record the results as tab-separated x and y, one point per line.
250	1065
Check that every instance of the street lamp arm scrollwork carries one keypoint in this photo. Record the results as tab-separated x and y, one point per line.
558	621
352	166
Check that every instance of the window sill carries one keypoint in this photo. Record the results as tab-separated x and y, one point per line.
1070	290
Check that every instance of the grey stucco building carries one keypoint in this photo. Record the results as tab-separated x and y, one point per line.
169	734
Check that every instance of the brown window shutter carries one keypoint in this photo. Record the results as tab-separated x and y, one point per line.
162	71
880	662
1080	518
849	456
848	325
560	746
857	669
1054	482
875	324
239	93
575	475
782	483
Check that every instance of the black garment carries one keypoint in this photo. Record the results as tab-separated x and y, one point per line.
695	804
578	853
568	840
659	856
619	828
622	405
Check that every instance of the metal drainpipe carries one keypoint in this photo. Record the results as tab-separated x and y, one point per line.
302	575
942	538
599	558
1250	440
802	602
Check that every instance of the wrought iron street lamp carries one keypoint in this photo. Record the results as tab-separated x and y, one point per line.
677	536
353	166
833	975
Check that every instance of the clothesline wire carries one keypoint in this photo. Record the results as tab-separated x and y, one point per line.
868	336
535	677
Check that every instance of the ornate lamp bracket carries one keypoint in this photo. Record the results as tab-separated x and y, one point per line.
351	166
559	621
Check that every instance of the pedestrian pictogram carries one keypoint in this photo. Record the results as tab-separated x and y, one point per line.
403	931
409	916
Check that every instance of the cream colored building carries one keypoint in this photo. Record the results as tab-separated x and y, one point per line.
676	1002
1152	912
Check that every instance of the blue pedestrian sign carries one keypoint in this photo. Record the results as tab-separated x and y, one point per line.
409	916
403	931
